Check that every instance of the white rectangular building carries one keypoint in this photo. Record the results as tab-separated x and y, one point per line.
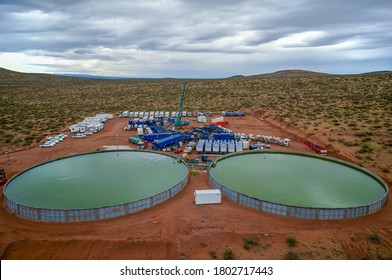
213	196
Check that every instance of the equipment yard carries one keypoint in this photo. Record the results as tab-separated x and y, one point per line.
180	229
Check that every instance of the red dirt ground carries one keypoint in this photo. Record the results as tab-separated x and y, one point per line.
178	229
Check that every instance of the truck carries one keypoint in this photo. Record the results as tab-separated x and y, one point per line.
256	146
191	145
173	139
140	132
134	140
3	179
156	136
223	136
316	148
137	141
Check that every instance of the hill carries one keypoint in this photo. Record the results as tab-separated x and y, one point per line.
294	73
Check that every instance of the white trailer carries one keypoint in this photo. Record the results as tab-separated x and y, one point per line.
208	196
286	142
74	128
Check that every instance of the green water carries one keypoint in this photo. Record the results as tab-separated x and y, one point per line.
96	180
297	180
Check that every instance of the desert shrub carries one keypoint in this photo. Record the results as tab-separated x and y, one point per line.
228	254
291	255
291	241
212	254
365	148
250	241
374	238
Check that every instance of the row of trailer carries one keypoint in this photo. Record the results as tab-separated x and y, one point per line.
90	124
209	146
150	115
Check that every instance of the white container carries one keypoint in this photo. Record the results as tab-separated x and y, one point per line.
245	145
201	119
208	196
220	119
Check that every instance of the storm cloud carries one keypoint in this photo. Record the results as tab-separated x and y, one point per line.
195	38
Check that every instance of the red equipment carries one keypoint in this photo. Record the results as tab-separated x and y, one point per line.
319	150
3	179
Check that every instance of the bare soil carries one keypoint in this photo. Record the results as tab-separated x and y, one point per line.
179	229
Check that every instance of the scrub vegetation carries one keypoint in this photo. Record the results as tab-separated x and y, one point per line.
350	111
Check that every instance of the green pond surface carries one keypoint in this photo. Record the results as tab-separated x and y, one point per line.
96	180
297	180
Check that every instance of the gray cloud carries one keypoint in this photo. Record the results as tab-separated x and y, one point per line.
197	38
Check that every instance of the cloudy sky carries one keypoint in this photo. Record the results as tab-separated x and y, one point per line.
200	38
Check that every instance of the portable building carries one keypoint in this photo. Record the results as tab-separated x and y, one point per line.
216	147
200	146
201	119
223	147
208	196
208	147
231	146
74	128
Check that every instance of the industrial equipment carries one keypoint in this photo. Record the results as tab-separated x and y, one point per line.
178	121
3	179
